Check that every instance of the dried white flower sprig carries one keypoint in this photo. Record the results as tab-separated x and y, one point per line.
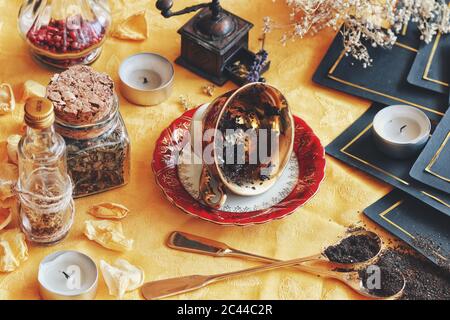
376	21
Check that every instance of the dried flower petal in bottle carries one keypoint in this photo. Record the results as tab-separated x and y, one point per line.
44	187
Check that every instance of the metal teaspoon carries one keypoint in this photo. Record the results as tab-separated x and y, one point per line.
196	244
170	287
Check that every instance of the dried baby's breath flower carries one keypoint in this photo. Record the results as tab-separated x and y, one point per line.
109	210
209	89
185	102
365	21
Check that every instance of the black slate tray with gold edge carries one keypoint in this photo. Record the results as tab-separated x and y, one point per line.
433	165
431	67
385	81
356	147
422	227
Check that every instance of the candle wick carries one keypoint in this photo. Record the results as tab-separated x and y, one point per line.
403	127
145	80
65	274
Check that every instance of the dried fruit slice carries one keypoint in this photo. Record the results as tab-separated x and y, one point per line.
5	217
8	172
109	210
121	277
13	250
32	89
6	190
7	100
132	28
12	146
108	234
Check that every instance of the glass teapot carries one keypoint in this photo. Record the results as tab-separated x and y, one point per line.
62	33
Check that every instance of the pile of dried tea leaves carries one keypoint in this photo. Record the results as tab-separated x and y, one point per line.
391	282
353	249
424	280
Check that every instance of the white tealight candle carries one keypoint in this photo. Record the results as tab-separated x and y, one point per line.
401	131
146	79
68	275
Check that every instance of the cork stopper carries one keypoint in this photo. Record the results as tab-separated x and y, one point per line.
39	113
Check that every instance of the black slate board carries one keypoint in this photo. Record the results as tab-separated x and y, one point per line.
385	81
431	66
355	146
433	165
422	227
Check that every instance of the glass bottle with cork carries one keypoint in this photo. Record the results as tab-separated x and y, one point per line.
44	187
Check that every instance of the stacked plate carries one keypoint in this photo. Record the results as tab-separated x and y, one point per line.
411	74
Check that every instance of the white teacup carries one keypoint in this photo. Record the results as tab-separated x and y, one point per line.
213	183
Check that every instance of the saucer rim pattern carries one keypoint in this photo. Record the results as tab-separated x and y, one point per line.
291	174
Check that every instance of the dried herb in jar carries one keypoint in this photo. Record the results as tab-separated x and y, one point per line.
87	112
101	163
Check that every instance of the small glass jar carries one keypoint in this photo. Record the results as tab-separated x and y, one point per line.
62	33
98	154
44	187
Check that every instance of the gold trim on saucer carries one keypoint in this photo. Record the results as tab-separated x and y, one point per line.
435	157
389	210
344	151
401	45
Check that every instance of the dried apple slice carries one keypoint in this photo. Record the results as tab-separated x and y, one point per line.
7	100
12	146
5	217
109	210
121	277
109	234
132	28
33	89
13	250
6	190
8	172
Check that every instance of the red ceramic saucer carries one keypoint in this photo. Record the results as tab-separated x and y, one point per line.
309	152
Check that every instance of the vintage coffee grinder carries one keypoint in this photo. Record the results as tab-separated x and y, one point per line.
211	40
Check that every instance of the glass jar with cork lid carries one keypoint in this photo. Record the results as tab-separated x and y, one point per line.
44	187
88	117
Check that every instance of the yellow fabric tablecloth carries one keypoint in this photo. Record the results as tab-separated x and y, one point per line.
339	203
